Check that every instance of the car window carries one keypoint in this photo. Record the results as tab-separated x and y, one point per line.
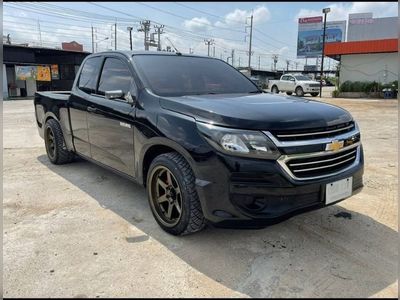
173	75
115	76
291	78
301	77
88	77
284	78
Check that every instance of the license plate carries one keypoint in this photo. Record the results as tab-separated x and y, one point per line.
338	190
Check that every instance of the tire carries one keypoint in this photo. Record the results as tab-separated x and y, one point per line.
275	90
299	91
56	149
314	94
178	190
289	93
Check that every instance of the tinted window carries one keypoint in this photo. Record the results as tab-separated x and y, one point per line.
301	77
115	76
183	75
88	77
285	78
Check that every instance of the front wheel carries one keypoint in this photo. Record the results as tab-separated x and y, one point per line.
314	94
275	90
172	195
299	91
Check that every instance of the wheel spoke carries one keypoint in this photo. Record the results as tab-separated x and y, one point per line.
162	198
162	183
169	212
178	206
169	181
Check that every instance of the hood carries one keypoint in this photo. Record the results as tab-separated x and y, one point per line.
257	111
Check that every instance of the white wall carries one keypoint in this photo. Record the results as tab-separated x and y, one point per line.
369	67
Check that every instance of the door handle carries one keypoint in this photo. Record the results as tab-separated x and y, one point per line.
91	109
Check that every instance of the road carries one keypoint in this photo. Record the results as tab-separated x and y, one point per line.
78	230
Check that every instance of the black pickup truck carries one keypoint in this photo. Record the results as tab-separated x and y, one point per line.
205	141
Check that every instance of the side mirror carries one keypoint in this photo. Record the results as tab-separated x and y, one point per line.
131	99
114	94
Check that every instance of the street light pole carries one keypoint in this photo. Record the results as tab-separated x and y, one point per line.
325	11
130	35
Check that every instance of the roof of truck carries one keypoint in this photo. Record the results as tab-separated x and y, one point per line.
130	53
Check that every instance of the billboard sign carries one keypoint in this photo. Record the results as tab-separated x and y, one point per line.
25	72
54	72
43	73
310	35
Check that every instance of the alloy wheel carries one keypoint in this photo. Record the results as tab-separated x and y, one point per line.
166	196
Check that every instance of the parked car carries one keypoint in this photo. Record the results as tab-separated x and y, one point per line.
298	84
203	139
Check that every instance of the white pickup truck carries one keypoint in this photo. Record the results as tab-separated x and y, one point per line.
298	84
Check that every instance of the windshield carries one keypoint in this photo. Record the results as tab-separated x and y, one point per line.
184	75
301	77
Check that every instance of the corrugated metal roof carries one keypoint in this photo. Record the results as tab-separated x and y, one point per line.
362	47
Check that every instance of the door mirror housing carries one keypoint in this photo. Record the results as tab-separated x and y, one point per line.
114	94
130	98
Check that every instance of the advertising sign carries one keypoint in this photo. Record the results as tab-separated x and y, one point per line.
54	72
43	74
25	72
310	35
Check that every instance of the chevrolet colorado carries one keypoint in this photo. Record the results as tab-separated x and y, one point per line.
205	141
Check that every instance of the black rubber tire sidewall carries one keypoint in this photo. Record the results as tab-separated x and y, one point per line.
314	94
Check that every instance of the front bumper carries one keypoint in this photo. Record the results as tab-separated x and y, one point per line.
311	89
244	192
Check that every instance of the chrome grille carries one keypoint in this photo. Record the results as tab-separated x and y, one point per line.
314	85
317	133
320	164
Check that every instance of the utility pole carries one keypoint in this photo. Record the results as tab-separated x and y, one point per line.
259	62
159	31
40	33
251	37
145	27
130	36
233	56
115	38
325	11
213	51
296	63
275	58
92	40
287	65
209	42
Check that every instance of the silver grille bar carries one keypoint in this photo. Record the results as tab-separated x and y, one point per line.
324	167
322	161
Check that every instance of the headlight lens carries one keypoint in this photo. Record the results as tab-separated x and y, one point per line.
239	142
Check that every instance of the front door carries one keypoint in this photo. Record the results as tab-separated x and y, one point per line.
110	121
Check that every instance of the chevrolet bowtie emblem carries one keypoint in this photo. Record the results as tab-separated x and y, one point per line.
334	146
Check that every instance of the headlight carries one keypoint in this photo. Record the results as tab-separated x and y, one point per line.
246	143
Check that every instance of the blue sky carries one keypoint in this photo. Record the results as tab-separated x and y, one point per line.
186	24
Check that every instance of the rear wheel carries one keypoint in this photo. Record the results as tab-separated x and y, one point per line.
56	149
275	90
299	91
289	93
172	195
314	94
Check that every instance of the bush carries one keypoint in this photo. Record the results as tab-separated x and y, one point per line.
335	93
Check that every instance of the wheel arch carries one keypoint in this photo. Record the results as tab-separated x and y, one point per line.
156	147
